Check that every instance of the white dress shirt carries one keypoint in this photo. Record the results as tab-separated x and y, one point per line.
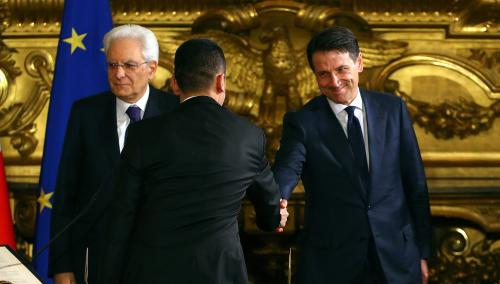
122	119
359	112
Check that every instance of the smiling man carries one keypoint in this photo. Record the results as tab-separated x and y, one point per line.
367	217
92	146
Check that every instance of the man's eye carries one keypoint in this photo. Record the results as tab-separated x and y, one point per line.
343	69
130	65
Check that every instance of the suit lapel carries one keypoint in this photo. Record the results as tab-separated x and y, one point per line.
108	130
332	133
376	118
152	106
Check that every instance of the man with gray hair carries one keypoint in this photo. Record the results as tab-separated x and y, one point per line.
94	139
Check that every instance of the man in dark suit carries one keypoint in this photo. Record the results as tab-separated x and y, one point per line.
367	217
182	178
94	139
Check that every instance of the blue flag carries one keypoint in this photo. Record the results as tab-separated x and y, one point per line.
80	71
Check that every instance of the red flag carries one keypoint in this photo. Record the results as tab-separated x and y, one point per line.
6	227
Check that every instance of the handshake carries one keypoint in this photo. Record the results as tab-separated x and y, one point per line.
284	215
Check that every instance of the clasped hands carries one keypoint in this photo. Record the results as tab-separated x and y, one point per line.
284	215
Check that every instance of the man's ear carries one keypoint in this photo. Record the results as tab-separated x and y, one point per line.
175	87
153	66
220	83
359	63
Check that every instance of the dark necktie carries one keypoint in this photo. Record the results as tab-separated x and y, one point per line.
357	143
134	113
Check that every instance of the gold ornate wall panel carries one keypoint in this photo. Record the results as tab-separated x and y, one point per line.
442	57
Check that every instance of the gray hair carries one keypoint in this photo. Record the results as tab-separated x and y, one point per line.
150	49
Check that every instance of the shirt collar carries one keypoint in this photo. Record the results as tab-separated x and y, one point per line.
188	98
122	106
337	108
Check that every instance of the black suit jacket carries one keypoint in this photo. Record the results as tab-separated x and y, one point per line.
88	163
181	181
341	215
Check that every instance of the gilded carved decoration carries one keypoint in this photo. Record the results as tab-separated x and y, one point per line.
459	118
489	59
34	17
270	75
465	255
17	120
9	112
486	60
458	16
40	66
442	57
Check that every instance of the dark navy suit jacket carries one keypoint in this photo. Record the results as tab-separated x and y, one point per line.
341	215
180	185
89	160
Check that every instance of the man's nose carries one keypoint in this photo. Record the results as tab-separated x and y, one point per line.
119	72
335	79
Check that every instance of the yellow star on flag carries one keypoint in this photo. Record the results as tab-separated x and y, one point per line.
75	40
44	200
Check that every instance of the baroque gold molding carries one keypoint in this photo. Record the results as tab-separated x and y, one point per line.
34	17
485	215
464	255
17	120
481	207
488	59
318	17
39	65
267	73
232	19
458	17
460	118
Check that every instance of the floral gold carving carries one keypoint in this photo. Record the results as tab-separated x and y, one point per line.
489	59
460	118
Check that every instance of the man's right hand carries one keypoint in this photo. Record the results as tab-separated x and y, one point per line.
284	215
64	278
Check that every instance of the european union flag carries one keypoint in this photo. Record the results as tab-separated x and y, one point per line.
80	71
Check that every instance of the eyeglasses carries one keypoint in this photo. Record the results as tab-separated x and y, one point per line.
127	66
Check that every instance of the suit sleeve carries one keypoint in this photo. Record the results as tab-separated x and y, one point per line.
264	194
66	194
415	184
291	155
123	211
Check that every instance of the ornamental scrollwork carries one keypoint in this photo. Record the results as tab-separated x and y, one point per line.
8	73
462	260
17	120
40	66
461	118
486	58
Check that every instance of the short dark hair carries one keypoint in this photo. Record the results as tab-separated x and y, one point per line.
197	61
334	38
